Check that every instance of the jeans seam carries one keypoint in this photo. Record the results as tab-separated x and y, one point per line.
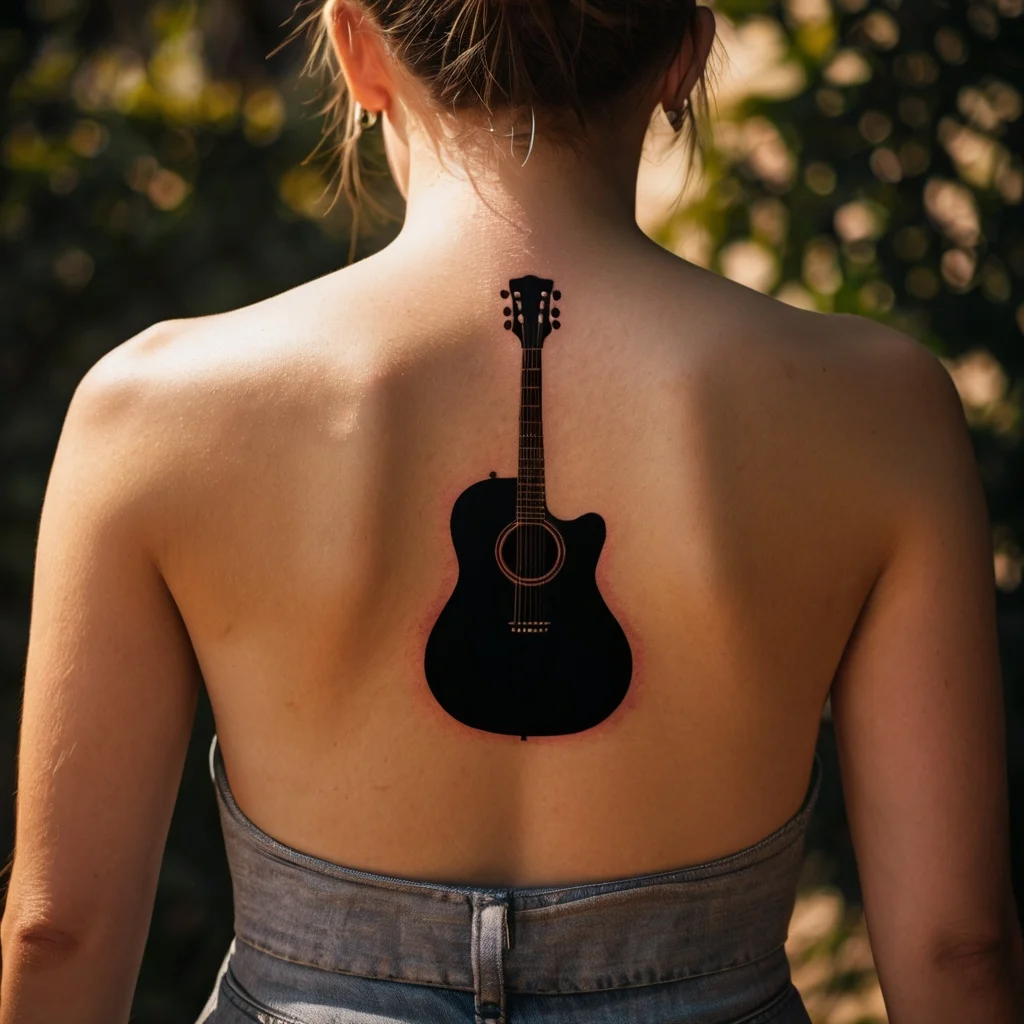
774	1007
664	981
247	1005
351	974
514	992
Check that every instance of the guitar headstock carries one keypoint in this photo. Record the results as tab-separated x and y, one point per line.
530	312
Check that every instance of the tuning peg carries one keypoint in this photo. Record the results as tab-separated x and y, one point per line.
556	324
508	325
507	311
504	293
556	312
556	295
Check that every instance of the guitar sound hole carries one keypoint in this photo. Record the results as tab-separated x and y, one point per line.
530	553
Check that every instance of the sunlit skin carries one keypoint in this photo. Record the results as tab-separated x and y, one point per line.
259	500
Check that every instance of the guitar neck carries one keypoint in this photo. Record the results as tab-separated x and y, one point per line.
530	499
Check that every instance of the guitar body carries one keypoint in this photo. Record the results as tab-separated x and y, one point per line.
515	656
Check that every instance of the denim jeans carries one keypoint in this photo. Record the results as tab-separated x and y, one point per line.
319	943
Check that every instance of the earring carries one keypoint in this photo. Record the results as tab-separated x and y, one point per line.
362	119
675	118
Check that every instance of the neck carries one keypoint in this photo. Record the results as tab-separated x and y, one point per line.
496	203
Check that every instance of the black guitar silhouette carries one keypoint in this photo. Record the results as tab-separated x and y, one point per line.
526	645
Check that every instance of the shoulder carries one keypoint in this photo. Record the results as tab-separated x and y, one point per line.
893	434
897	363
123	443
123	395
758	338
865	373
183	380
865	413
901	391
186	404
139	388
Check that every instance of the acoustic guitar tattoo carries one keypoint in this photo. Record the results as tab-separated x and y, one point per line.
526	645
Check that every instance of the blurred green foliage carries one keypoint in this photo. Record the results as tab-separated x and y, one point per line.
154	165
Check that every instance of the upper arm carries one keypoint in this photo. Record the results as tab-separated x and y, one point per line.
110	681
917	702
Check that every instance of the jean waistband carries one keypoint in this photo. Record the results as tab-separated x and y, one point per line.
641	930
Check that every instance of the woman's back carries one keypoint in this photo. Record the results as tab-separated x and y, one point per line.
730	508
718	433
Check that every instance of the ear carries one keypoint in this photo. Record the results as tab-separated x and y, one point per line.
689	63
361	54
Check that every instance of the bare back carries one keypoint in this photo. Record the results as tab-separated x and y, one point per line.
262	501
723	437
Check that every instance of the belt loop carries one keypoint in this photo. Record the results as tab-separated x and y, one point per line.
489	939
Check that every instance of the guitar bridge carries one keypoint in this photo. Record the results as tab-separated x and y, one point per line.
536	626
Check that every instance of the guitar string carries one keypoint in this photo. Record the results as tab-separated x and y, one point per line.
522	528
522	512
535	529
542	534
531	528
531	484
528	452
530	532
523	532
527	492
517	618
